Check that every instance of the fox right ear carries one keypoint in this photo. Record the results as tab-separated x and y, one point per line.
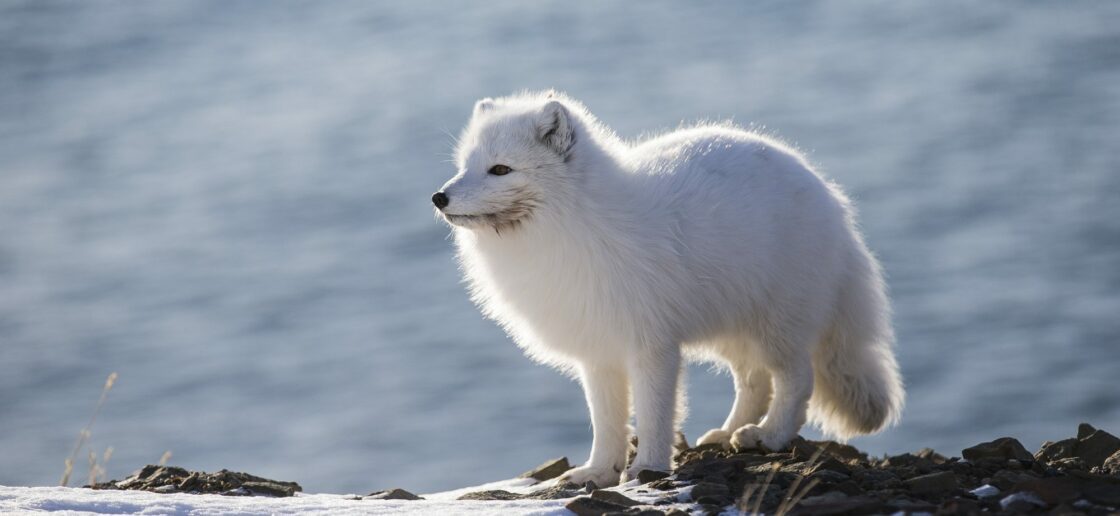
483	106
554	127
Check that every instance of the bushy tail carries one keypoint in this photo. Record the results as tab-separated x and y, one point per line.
857	386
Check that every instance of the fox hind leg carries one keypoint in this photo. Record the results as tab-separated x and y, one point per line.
752	398
793	386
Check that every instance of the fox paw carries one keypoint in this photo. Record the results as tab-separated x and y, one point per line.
754	437
602	477
716	436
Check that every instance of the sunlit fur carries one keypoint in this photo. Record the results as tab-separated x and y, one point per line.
611	259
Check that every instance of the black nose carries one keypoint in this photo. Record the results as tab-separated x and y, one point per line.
440	200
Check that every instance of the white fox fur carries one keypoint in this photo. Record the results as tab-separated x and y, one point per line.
610	260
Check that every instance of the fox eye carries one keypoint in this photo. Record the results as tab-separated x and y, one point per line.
499	170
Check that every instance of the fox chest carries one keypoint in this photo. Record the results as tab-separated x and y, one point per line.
557	305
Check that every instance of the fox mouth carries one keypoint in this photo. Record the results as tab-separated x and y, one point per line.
469	219
499	220
502	220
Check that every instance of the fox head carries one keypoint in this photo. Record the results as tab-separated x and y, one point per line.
513	159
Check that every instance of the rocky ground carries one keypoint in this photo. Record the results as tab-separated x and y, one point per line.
1079	475
170	479
1076	475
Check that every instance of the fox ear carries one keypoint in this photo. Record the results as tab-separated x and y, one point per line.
483	106
554	127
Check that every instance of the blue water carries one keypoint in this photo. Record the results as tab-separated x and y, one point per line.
227	204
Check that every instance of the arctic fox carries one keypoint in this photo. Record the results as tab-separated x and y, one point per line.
612	260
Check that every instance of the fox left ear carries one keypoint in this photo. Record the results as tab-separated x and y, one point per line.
554	128
483	106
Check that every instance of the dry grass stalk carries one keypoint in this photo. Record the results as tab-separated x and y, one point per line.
164	458
83	436
765	488
97	469
92	468
793	495
797	498
748	492
105	460
760	489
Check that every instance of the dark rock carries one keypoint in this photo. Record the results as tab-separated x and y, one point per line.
718	501
802	449
932	456
392	494
556	492
188	484
848	487
772	496
1096	447
833	503
1085	430
831	464
827	498
1104	494
549	470
959	506
165	472
272	489
713	447
848	482
710	510
780	456
1061	490
1002	448
646	476
843	452
708	468
1065	510
587	506
1052	491
899	461
614	497
1050	451
709	489
933	483
909	506
1112	463
495	494
827	476
876	479
715	479
1070	464
145	472
741	460
1007	479
171	479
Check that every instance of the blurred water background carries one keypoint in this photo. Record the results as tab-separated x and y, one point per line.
227	203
